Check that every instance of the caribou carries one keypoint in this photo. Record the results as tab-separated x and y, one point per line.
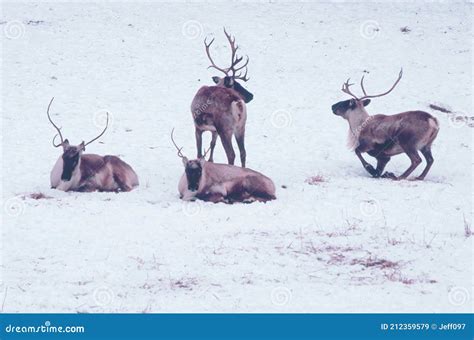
221	109
225	183
76	171
383	136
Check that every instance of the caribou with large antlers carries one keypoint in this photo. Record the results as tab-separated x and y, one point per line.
383	136
221	109
75	171
222	182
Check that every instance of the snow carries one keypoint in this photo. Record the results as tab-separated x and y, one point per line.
344	243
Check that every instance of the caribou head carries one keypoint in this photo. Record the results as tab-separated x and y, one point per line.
344	107
350	107
71	153
193	168
232	73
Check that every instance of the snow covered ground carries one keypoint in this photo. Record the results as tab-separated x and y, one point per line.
347	243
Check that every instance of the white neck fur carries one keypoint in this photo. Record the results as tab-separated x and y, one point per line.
75	180
357	119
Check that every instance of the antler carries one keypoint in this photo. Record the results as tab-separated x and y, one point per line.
225	71
206	152
362	85
180	154
55	126
234	60
346	85
103	131
382	94
345	88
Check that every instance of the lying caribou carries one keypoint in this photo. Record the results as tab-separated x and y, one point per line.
384	136
222	182
221	109
75	171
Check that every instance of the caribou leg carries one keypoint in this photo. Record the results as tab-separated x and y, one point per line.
213	145
121	181
370	169
382	160
240	138
426	151
226	139
415	159
381	163
198	133
214	197
86	188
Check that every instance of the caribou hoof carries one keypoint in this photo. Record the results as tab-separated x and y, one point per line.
370	169
389	175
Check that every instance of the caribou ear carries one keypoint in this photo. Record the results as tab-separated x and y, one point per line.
65	144
202	160
216	80
366	102
185	161
82	146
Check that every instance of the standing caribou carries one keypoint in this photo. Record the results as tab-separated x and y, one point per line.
383	136
75	171
222	182
221	109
